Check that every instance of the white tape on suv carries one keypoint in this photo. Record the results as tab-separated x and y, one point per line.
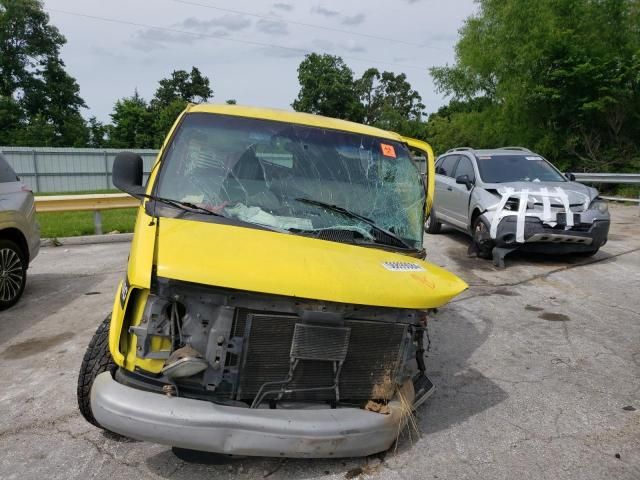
558	194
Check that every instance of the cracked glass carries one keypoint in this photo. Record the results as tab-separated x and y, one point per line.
306	180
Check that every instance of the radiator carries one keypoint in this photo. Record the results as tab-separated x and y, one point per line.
374	357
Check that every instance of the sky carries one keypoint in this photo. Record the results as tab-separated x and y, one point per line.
249	49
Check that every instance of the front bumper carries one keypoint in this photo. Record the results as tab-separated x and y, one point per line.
540	238
205	426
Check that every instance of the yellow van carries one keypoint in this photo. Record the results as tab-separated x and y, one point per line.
275	298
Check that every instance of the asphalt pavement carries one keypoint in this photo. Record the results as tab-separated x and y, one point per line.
537	369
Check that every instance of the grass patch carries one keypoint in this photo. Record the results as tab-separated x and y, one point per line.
72	224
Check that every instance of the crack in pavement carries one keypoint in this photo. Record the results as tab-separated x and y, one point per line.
541	275
35	425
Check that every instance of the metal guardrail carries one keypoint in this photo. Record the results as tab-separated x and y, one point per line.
629	178
76	203
85	203
108	201
620	178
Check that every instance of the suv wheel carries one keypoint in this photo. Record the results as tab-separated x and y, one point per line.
13	273
431	225
97	360
482	242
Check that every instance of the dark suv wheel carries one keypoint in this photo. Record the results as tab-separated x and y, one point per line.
482	242
432	225
13	273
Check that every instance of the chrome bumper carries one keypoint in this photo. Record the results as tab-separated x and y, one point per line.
204	426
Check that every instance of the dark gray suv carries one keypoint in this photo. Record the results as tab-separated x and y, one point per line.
512	198
19	234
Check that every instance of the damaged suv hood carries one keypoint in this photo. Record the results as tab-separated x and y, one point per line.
285	264
576	192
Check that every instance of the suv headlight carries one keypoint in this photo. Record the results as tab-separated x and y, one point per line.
601	205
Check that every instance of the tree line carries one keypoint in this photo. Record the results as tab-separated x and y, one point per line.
559	76
40	103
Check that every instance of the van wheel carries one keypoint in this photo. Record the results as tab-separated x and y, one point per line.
97	360
431	225
13	273
482	242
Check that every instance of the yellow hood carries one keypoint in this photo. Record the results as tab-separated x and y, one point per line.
282	264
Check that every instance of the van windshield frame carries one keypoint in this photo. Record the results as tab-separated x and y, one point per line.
253	170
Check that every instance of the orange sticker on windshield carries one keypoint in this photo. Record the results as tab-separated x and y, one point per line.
388	150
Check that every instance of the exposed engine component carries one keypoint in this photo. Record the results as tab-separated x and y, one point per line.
184	362
258	349
312	343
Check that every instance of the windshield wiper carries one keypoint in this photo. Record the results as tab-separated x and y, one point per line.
184	206
362	218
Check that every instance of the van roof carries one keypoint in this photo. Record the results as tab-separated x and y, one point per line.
294	117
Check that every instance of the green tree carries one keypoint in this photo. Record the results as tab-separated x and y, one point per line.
173	95
132	124
560	76
39	102
164	118
327	88
389	102
385	100
98	133
190	87
137	123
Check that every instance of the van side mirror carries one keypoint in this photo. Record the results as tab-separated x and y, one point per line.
464	180
128	174
570	176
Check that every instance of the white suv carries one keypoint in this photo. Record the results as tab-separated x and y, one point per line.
512	198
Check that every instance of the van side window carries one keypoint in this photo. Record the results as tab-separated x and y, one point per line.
446	165
6	172
465	167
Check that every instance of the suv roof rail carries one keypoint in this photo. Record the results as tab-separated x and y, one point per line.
520	149
460	149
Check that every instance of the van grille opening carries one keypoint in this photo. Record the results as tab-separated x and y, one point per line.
373	359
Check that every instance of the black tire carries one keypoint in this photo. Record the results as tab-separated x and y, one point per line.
13	273
431	225
482	242
97	360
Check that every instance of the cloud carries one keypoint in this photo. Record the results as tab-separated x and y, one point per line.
272	27
354	47
325	12
349	46
283	6
276	52
107	53
232	23
154	39
354	20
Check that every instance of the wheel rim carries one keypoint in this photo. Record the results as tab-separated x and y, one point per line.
428	222
11	274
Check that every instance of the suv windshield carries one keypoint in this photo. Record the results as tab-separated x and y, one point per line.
517	168
291	177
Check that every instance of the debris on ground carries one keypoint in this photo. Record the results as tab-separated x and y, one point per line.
376	407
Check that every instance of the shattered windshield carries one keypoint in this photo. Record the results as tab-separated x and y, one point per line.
517	168
306	180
